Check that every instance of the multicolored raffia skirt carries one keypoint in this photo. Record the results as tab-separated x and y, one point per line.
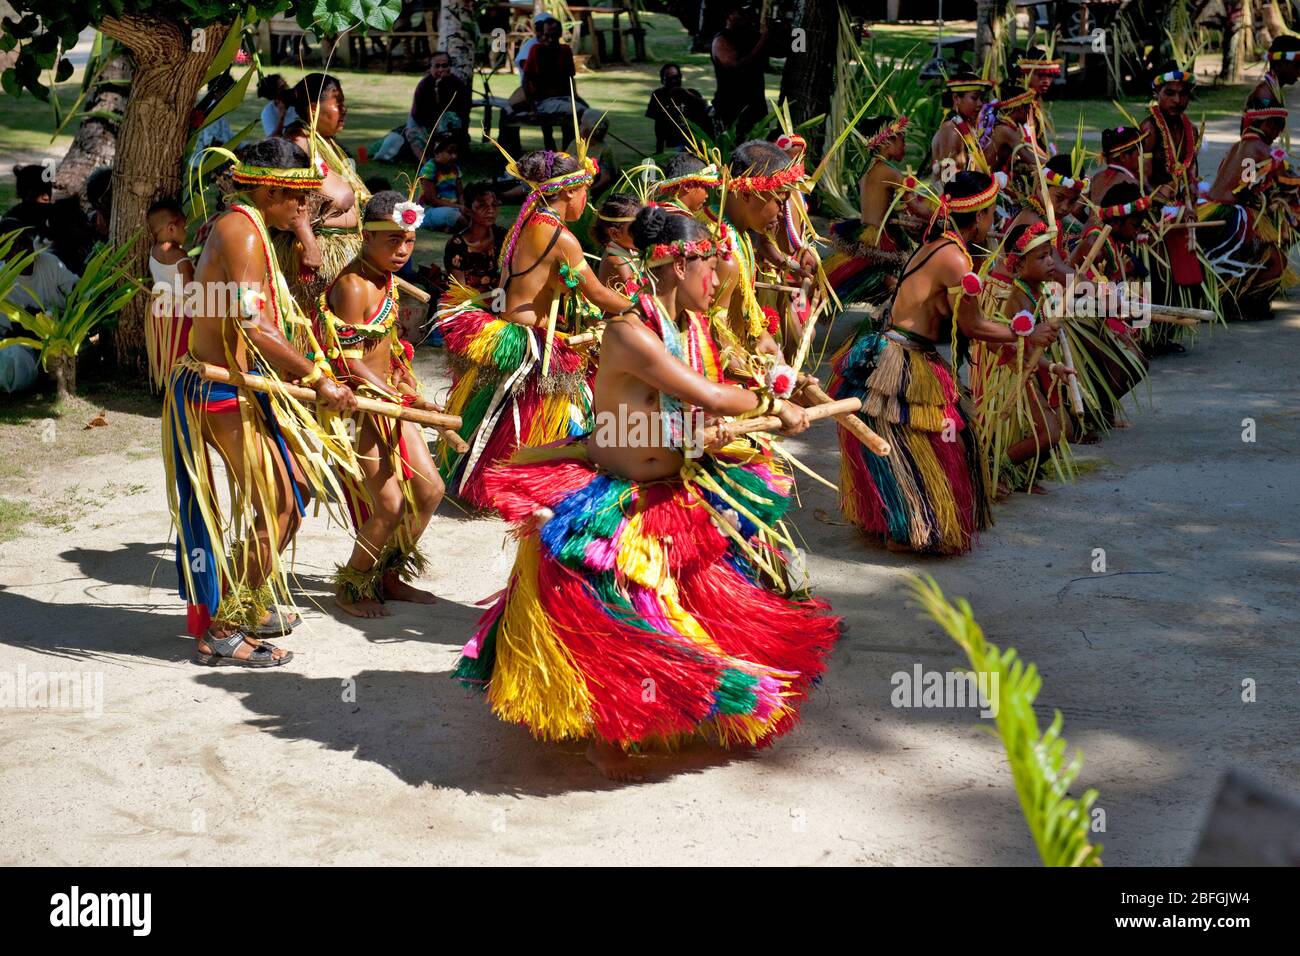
503	398
634	611
931	492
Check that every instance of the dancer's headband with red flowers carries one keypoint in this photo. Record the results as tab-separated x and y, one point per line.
789	141
767	184
1033	237
665	252
1268	112
886	133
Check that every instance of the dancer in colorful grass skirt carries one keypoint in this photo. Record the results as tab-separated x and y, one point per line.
640	606
515	380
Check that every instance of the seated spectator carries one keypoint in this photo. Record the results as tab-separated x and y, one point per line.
526	47
42	287
672	107
440	187
547	82
440	105
35	195
472	254
278	112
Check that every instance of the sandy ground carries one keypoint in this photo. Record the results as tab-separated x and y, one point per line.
189	765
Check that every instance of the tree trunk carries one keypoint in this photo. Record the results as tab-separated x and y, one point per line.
170	64
96	141
809	76
64	368
1233	42
456	32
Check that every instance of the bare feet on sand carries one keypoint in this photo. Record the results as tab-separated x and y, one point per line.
363	608
610	760
395	589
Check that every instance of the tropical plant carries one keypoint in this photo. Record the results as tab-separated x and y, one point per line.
1058	822
104	288
901	92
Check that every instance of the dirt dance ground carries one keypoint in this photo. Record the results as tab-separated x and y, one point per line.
1201	532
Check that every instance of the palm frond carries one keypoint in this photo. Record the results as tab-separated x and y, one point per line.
1058	822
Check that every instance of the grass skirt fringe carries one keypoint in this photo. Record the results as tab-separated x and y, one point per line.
502	397
857	270
931	492
630	614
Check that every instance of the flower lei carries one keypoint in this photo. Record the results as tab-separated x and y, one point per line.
1177	168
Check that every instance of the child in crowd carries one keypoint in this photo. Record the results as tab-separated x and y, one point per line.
441	192
620	263
171	270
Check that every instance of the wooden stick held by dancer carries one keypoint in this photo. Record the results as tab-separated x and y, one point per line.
851	423
256	383
770	423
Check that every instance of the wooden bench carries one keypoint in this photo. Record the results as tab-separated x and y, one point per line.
420	44
615	33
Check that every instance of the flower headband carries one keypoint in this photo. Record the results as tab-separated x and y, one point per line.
788	141
406	217
294	177
707	177
1039	66
767	184
662	252
888	132
1011	102
1173	76
1285	55
1141	204
1029	240
1053	178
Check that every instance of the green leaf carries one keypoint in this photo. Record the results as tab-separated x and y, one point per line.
226	54
1058	824
64	71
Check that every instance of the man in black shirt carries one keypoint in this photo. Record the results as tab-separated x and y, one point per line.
672	106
